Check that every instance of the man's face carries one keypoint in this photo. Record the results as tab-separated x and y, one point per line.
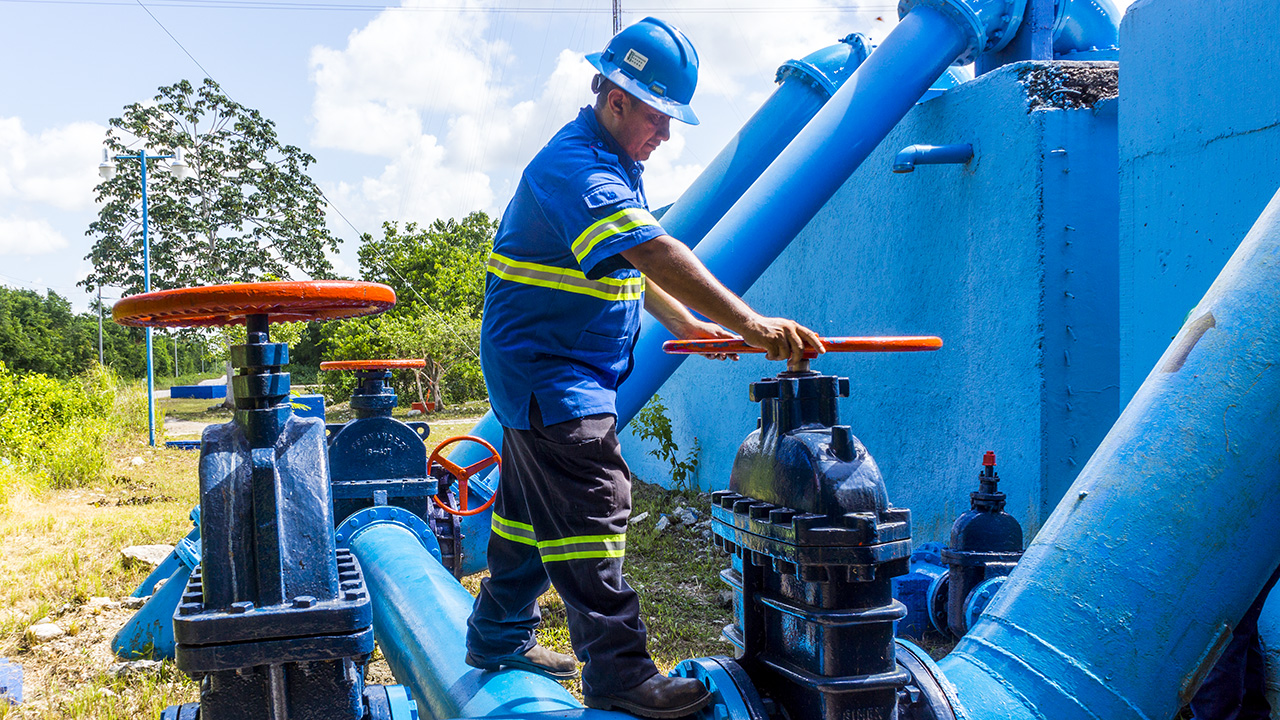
640	129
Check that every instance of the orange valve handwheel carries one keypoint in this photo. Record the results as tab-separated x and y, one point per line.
373	364
908	343
232	304
464	474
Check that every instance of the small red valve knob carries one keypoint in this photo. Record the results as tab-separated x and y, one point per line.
989	460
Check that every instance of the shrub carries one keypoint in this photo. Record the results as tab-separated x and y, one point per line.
55	432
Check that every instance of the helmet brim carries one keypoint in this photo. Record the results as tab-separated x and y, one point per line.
666	106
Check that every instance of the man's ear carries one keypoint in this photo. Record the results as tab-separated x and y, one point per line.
619	101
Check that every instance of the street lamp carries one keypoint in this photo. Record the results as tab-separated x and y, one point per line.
182	171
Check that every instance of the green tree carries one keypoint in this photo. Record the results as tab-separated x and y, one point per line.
442	264
448	343
250	212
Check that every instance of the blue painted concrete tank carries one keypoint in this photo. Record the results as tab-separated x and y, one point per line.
1200	157
1010	258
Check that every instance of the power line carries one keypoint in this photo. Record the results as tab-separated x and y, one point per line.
536	10
171	37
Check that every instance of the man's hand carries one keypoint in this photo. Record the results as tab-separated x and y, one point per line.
699	330
780	338
681	279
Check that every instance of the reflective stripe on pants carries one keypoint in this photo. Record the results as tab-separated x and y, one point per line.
560	519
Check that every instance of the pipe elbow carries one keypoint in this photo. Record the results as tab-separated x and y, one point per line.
912	155
1086	30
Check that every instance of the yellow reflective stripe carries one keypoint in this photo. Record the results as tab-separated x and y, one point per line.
605	228
583	539
512	523
574	281
513	538
583	546
584	555
514	531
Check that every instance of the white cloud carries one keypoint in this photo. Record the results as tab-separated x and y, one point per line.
57	167
19	236
456	112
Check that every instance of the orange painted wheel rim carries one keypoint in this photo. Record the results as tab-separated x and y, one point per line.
231	304
907	343
464	474
391	364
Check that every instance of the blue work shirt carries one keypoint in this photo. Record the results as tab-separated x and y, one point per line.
561	305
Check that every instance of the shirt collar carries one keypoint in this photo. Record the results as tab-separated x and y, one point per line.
587	117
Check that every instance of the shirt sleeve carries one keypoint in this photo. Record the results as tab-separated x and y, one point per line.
606	217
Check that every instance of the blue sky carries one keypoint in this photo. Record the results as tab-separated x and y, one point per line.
416	111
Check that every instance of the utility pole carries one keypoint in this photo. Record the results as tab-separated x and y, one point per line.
100	360
617	16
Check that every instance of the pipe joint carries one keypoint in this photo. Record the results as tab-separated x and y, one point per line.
828	68
1086	30
912	155
363	520
988	24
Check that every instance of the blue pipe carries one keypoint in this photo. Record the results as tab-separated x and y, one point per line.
1126	597
420	617
912	155
1086	30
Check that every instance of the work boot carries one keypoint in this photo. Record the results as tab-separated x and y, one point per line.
557	666
659	697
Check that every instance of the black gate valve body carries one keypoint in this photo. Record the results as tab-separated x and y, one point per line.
815	543
986	542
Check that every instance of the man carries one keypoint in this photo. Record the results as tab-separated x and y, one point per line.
575	255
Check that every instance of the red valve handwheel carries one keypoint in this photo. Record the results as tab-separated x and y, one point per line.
373	364
231	304
916	343
464	474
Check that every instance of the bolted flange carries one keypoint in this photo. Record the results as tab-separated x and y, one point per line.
369	517
989	24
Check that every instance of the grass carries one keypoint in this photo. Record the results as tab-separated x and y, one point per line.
61	547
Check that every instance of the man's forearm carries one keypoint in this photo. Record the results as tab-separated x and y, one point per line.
679	274
673	315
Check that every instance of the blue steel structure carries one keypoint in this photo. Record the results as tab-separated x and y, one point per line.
10	682
149	633
108	170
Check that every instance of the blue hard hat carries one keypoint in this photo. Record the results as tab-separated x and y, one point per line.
656	63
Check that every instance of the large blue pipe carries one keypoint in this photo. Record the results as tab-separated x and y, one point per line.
1126	597
420	619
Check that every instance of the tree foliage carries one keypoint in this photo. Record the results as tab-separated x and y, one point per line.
250	212
447	342
441	265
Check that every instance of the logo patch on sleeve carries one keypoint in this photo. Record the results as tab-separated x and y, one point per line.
635	59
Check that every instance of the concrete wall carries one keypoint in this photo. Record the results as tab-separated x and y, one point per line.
1010	259
1200	157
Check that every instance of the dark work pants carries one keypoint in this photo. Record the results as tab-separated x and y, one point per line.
1235	689
560	518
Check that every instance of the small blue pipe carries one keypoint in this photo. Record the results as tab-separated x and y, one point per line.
912	155
420	617
1086	30
1127	596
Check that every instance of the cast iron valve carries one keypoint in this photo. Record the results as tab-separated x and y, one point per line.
986	543
277	621
815	543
